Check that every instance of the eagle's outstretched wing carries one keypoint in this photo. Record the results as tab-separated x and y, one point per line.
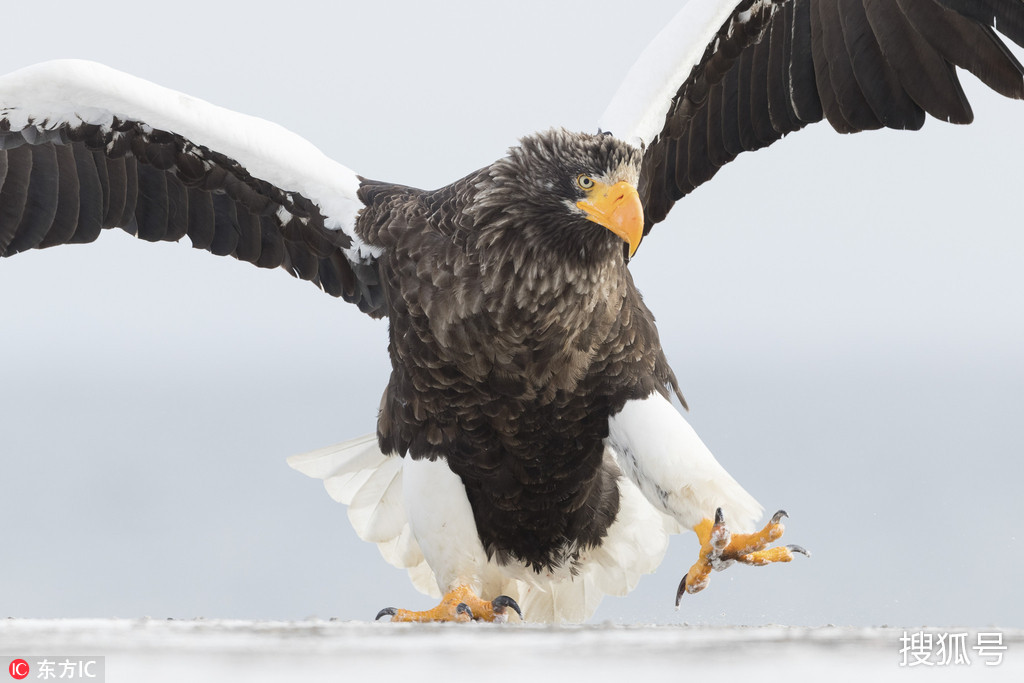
84	147
731	76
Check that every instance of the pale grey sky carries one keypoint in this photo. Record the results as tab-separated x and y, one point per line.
843	314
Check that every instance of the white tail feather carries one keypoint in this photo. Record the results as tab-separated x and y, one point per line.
358	475
340	463
376	510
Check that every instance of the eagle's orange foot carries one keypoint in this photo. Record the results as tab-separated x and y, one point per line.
461	604
719	549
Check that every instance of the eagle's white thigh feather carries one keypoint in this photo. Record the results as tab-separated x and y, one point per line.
419	516
662	454
442	522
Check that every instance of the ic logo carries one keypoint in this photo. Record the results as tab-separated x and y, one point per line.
18	669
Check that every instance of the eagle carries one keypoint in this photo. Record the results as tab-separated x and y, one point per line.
527	457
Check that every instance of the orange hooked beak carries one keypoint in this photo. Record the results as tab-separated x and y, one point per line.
618	208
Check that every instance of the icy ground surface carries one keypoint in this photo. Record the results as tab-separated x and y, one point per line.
222	650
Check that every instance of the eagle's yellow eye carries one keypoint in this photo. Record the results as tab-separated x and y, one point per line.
585	182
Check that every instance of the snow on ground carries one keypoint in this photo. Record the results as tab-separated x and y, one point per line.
220	650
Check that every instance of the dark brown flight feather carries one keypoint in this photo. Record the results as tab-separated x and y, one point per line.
776	66
66	184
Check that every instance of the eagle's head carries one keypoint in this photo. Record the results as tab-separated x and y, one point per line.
574	192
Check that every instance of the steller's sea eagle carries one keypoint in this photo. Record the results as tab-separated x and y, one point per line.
526	456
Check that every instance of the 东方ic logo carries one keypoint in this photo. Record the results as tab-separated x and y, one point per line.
18	669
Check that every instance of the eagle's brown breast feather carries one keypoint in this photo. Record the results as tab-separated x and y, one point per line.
515	332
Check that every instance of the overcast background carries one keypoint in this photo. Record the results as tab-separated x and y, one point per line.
844	315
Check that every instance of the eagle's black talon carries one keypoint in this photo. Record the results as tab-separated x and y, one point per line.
777	517
798	549
681	591
720	537
390	611
500	603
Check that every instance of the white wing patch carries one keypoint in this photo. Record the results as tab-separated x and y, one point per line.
662	454
61	92
440	547
637	112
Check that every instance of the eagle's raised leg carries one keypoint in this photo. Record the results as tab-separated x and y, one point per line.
460	604
719	548
659	450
